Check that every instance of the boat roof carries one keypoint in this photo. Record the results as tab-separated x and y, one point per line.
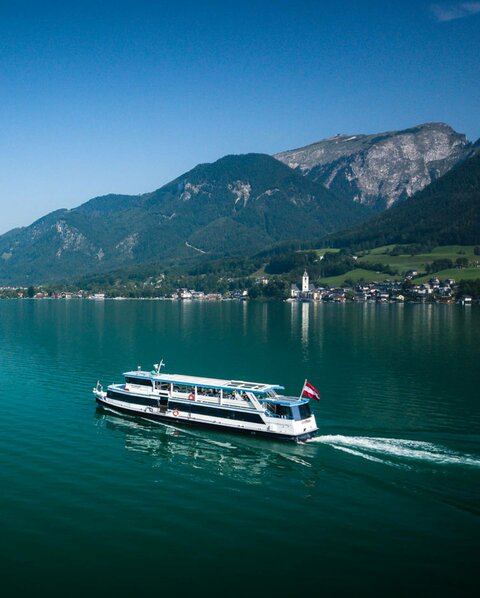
288	401
256	387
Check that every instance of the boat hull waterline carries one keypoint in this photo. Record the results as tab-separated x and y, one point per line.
182	421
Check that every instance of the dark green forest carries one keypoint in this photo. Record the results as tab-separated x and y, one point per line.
447	212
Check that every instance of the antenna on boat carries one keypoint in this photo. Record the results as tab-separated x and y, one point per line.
158	366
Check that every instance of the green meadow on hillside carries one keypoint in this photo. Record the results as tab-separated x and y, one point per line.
456	273
404	262
324	250
355	276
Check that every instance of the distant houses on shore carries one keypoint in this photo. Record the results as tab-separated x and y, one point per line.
388	291
384	292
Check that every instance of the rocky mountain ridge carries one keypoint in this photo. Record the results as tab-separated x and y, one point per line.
381	169
447	212
235	206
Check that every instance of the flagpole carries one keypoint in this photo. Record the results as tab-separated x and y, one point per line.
303	388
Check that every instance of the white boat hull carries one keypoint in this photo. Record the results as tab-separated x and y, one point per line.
181	414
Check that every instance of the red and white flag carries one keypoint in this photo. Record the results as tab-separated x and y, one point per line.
310	391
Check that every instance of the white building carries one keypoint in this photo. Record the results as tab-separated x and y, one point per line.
308	291
305	282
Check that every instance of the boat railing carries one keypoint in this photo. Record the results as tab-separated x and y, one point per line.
243	400
238	402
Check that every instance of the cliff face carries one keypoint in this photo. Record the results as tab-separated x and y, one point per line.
447	212
380	170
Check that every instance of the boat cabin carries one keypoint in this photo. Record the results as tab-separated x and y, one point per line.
288	408
234	393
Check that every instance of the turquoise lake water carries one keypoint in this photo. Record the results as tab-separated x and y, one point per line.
385	499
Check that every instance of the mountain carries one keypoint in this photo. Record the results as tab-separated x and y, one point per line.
382	169
447	212
237	205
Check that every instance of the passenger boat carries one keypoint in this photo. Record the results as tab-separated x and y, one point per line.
248	407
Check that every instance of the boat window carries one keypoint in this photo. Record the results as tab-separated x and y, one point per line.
209	392
301	411
139	381
162	385
283	411
293	411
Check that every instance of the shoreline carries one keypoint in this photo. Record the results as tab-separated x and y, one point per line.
248	300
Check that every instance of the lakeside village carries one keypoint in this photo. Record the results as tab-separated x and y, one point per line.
388	291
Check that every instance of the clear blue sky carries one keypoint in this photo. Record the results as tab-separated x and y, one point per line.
124	96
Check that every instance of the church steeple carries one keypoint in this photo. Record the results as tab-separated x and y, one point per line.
305	282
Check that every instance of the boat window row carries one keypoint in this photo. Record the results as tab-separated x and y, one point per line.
134	399
206	391
138	381
216	412
190	390
201	391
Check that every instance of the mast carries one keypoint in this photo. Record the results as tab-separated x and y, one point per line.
158	366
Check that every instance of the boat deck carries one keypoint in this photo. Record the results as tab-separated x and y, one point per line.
183	380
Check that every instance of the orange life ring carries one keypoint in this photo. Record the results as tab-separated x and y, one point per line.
191	397
176	413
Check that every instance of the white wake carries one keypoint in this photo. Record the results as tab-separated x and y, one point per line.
364	446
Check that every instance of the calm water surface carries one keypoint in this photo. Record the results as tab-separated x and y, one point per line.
386	499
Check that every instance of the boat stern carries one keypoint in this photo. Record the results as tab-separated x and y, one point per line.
98	392
305	429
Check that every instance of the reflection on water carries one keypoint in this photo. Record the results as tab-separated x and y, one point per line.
305	320
245	459
300	324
